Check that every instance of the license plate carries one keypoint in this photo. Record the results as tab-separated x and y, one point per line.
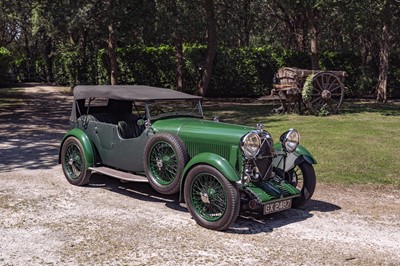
277	206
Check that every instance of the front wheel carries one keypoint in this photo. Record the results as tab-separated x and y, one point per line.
211	199
303	178
73	162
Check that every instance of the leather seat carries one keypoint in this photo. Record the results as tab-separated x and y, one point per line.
125	130
126	122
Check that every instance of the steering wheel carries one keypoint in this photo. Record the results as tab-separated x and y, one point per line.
157	110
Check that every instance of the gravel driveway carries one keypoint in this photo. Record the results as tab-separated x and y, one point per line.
45	220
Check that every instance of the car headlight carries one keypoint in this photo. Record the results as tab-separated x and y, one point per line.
250	145
290	140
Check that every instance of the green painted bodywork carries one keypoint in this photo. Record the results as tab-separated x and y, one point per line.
86	144
271	190
202	136
216	161
202	131
113	150
287	161
300	151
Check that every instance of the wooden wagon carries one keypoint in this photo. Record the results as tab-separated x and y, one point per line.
319	91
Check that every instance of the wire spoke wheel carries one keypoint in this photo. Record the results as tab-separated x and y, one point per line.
297	178
163	163
208	197
211	199
303	178
165	157
73	162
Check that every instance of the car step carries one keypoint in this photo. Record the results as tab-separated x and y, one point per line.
118	174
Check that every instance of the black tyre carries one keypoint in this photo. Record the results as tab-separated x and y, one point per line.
211	199
165	157
303	178
73	162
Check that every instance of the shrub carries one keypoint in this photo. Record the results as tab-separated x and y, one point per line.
5	64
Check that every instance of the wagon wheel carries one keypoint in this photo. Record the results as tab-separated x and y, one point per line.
327	94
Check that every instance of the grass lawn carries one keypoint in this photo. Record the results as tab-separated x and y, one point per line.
359	146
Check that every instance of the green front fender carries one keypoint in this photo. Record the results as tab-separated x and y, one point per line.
301	151
216	161
300	155
86	144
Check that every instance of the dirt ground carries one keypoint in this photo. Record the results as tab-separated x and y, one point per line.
45	220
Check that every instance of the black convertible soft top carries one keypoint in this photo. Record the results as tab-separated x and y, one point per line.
129	92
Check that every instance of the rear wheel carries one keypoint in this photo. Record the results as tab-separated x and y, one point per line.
303	178
73	162
165	158
211	199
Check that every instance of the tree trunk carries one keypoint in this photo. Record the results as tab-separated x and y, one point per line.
82	57
314	43
179	63
30	60
178	46
112	46
246	23
383	64
211	48
49	61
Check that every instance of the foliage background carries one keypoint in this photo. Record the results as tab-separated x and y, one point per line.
66	42
238	72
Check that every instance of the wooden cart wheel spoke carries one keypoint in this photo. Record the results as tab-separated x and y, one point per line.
336	88
319	87
330	93
333	100
327	82
333	108
319	99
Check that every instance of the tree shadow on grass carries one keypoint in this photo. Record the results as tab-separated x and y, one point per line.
392	108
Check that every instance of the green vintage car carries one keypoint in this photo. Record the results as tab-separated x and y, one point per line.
160	136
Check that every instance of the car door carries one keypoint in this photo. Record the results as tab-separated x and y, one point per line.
124	154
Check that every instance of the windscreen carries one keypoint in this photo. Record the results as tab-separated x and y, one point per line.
174	108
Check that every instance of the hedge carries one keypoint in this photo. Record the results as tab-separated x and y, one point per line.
237	72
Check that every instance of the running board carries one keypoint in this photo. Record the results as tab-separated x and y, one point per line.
118	174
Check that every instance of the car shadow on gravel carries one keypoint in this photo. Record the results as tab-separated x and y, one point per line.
255	223
246	223
136	190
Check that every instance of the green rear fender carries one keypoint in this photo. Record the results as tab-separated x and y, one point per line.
84	140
